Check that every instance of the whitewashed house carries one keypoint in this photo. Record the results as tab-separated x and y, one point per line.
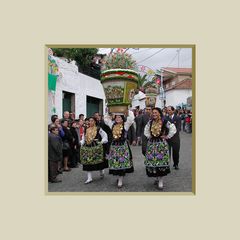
75	92
177	83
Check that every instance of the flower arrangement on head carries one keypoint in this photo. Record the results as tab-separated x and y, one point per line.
119	78
151	91
119	59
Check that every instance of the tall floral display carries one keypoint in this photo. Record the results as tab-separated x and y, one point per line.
151	96
119	80
53	73
151	92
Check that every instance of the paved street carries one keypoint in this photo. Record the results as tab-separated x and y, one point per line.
177	181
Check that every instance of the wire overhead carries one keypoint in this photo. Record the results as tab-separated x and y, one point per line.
173	58
144	50
151	55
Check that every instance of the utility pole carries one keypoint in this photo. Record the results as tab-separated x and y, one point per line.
161	90
178	55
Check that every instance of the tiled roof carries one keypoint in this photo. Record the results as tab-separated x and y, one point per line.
184	84
179	70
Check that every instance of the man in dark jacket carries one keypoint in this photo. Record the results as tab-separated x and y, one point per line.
131	135
66	116
53	119
174	142
54	153
138	128
142	123
75	145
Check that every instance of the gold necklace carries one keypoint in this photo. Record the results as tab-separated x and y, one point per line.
117	131
156	127
91	134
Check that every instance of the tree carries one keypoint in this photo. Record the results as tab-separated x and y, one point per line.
152	83
142	80
159	72
82	56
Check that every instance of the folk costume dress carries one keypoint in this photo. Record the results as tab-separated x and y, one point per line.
92	152
120	155
157	153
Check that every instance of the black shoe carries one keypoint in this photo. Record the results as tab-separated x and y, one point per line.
176	167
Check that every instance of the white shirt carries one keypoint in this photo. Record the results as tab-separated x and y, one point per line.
102	133
130	120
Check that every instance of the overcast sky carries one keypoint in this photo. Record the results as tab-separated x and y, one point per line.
155	58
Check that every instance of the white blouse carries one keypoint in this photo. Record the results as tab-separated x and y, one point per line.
170	126
130	120
102	133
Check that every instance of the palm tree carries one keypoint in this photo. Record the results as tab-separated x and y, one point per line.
144	83
158	72
151	83
142	80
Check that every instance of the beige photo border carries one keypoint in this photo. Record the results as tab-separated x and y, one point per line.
193	47
27	212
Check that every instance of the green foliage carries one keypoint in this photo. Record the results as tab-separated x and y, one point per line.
159	72
145	83
142	80
82	56
151	84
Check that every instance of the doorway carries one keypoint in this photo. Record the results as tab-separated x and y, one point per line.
68	102
94	105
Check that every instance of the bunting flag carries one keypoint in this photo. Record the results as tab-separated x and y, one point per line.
146	70
52	66
53	72
52	79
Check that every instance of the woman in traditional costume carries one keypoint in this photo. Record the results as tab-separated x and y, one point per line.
156	161
92	152
120	155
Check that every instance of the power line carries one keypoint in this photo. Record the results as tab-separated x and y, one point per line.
141	51
178	55
151	55
172	59
186	59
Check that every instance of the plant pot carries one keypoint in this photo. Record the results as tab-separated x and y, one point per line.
119	86
151	96
118	109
